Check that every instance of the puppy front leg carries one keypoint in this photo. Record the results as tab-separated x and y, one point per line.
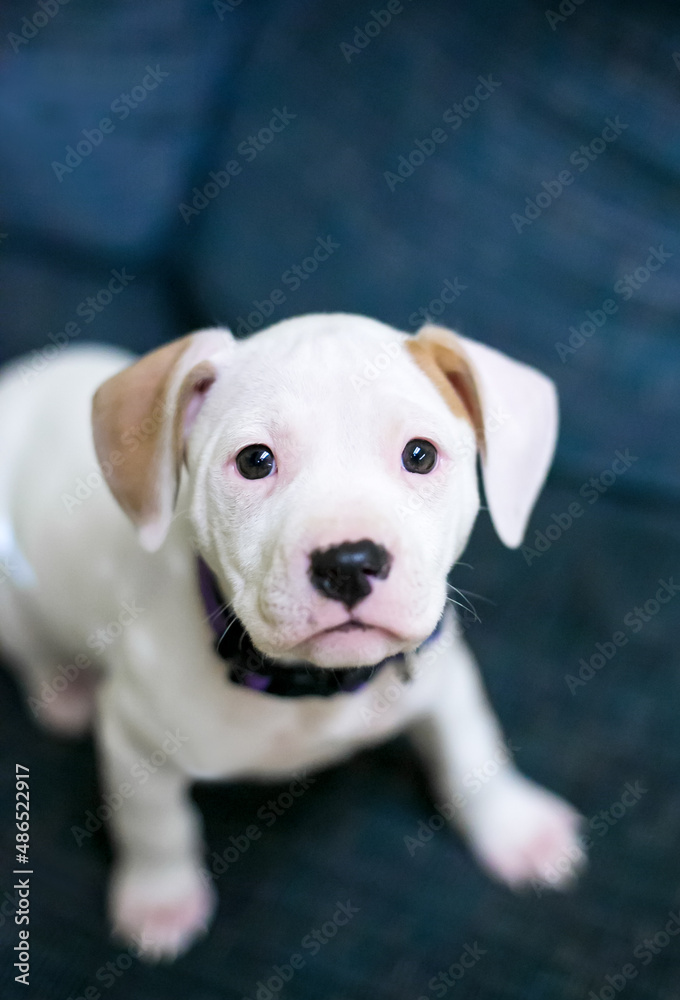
159	897
519	831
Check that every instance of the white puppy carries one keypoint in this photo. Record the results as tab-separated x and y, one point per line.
299	498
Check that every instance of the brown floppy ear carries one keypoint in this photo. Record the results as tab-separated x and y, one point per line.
441	356
513	409
140	420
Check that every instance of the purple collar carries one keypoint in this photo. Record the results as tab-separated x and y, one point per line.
250	668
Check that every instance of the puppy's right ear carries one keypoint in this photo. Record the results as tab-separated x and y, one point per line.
141	418
513	410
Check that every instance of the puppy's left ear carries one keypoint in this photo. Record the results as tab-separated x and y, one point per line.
141	418
513	410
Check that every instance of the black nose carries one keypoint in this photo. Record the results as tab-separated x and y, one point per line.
343	571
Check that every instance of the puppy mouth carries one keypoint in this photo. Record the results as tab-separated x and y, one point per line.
354	625
348	626
349	643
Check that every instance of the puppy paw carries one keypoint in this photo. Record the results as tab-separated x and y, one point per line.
523	834
161	917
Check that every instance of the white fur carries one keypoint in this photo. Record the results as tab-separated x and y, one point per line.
337	436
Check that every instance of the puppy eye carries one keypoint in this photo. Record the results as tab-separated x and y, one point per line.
256	461
419	456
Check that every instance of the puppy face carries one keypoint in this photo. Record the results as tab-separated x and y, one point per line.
331	474
338	554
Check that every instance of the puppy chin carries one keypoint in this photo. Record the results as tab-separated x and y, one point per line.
360	647
344	643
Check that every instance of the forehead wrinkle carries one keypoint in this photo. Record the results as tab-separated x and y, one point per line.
309	415
333	345
306	397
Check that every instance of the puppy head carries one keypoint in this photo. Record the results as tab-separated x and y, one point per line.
331	466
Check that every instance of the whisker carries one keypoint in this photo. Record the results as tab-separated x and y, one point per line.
229	624
480	597
468	606
450	600
218	611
